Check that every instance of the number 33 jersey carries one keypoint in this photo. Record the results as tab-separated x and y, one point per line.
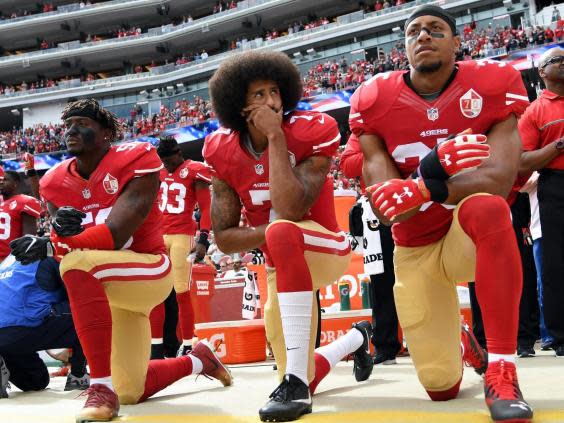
307	134
480	95
95	196
11	211
177	197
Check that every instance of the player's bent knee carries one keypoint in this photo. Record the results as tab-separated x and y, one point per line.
283	236
447	394
440	382
75	260
481	215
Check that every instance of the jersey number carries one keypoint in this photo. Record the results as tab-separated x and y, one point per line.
5	225
261	196
172	197
99	218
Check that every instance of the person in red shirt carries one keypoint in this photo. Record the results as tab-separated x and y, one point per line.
542	134
183	184
274	165
107	234
18	212
448	229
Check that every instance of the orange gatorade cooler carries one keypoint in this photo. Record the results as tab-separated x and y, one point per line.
202	289
236	342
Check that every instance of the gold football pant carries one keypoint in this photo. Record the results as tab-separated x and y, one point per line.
327	255
427	303
133	284
178	246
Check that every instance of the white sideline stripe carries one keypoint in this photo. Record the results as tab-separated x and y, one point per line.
354	115
149	170
325	144
328	243
203	177
133	271
517	96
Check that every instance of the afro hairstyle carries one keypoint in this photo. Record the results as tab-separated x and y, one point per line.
229	84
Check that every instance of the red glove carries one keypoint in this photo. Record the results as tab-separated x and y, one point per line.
29	161
398	196
463	152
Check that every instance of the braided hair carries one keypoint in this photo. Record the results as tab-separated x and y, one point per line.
90	108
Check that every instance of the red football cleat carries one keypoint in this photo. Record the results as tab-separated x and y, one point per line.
503	396
102	405
213	367
474	355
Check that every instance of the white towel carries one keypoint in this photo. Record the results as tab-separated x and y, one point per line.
251	298
373	259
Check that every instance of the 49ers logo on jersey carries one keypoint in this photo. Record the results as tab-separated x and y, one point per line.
13	205
183	173
471	104
110	183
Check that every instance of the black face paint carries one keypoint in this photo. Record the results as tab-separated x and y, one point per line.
86	135
414	37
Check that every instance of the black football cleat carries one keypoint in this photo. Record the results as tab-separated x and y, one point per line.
363	363
288	402
503	396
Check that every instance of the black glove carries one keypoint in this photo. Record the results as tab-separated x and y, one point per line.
68	221
30	248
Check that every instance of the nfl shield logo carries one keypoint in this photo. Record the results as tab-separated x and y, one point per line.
86	193
110	184
432	114
471	104
259	169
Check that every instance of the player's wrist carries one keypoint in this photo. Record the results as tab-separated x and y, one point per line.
559	145
203	238
436	189
430	167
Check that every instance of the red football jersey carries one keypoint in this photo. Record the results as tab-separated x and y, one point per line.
11	211
178	198
481	95
63	186
307	134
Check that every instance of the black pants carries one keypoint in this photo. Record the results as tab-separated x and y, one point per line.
19	346
528	307
551	209
170	340
529	330
384	315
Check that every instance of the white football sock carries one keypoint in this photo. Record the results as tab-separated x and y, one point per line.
295	313
509	358
156	341
197	365
103	381
341	347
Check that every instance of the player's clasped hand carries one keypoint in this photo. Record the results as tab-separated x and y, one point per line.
463	152
264	118
398	196
68	221
30	248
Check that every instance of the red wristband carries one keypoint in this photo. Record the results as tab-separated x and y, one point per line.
97	237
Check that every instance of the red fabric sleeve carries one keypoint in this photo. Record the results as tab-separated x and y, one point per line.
97	237
204	200
352	158
528	130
